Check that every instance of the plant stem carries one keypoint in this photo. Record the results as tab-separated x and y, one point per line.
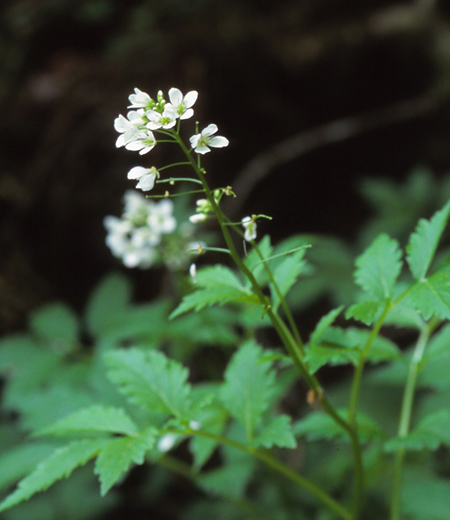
406	412
270	461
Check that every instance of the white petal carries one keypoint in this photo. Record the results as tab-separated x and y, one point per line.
137	172
175	96
202	148
190	98
194	140
209	130
218	142
189	113
147	182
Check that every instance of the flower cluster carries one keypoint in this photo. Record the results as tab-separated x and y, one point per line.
136	236
148	116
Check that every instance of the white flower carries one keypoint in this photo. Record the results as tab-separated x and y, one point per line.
140	99
145	176
143	141
136	206
118	235
201	142
165	120
129	128
182	104
250	228
166	442
197	218
193	272
160	217
142	257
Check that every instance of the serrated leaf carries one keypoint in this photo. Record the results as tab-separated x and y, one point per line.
318	425
323	324
56	467
340	347
58	324
365	311
95	419
431	296
424	241
20	460
430	433
286	274
119	454
439	345
248	388
278	432
379	267
216	284
151	380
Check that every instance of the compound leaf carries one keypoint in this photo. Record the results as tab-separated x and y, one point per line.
249	386
119	454
59	465
278	432
216	284
151	380
431	296
379	267
424	241
94	419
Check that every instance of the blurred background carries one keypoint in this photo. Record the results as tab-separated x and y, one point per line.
314	95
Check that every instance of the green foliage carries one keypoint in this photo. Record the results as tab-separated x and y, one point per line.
379	267
151	380
249	387
216	398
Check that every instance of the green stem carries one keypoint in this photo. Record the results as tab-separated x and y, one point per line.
270	461
293	348
406	413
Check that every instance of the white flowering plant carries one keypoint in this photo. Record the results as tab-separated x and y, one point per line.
269	438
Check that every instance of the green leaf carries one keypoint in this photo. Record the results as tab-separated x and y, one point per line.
318	425
16	462
365	311
431	296
424	241
424	496
286	274
429	434
57	324
108	301
323	324
119	454
95	419
248	388
151	380
278	432
379	267
216	284
56	467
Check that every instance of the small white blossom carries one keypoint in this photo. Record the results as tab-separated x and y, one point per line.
182	104
201	142
197	218
140	99
129	127
166	442
250	228
145	176
161	217
193	272
143	142
142	257
165	120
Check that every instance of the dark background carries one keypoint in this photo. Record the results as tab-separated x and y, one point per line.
267	72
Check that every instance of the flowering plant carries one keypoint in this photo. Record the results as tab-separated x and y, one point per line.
333	460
